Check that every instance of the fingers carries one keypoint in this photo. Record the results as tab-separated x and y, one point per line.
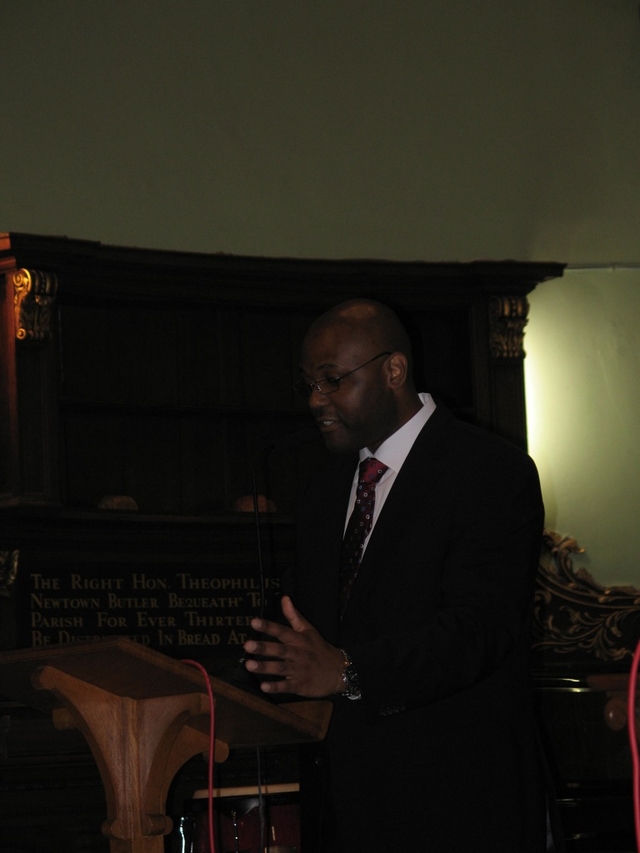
298	660
281	632
283	685
275	629
276	667
281	668
277	654
264	649
293	617
271	629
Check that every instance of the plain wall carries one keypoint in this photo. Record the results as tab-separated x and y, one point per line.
388	129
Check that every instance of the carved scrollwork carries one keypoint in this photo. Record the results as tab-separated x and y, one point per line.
507	319
576	617
34	294
8	571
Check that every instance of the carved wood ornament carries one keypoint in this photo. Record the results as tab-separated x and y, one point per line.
575	617
8	571
34	295
507	318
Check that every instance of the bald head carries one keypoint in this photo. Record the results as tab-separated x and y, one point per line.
362	344
369	322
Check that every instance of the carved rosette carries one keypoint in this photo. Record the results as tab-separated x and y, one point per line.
575	617
34	294
507	319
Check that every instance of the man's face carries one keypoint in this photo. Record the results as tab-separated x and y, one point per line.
362	412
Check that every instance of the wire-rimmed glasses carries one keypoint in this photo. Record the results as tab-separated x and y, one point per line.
328	386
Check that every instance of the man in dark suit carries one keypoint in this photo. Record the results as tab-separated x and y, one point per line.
432	743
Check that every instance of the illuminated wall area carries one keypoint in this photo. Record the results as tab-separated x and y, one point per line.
583	407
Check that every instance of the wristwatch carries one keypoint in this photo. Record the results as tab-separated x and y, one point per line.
350	678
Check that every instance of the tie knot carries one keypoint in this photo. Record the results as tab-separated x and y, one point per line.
371	470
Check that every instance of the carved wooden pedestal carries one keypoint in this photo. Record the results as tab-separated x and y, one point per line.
144	715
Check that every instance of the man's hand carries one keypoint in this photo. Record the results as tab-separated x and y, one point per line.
306	663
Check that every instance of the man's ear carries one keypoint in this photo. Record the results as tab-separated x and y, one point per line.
398	369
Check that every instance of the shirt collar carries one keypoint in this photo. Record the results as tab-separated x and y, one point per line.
395	449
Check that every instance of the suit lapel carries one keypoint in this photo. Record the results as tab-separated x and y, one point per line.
423	468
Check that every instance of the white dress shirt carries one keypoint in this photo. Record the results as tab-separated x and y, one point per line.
393	451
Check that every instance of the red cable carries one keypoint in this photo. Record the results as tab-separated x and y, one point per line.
212	730
633	740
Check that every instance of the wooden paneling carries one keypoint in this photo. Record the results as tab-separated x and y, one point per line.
148	354
161	377
164	376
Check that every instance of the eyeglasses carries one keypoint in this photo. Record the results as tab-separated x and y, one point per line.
328	386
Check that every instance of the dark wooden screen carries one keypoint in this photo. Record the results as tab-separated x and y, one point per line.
156	379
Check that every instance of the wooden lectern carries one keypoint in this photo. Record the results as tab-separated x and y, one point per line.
144	715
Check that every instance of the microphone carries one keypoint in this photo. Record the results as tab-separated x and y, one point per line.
285	442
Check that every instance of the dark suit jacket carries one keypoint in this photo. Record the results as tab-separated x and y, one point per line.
439	753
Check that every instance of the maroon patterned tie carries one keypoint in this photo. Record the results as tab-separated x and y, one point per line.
358	526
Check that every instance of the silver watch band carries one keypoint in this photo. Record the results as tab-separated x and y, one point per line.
350	678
